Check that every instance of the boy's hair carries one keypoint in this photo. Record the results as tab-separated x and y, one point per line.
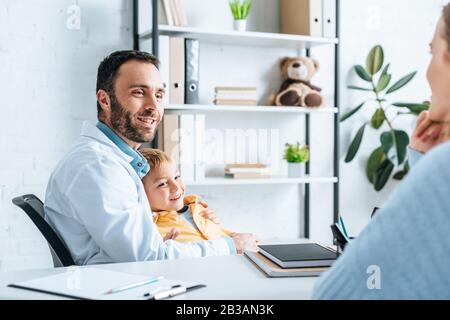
156	158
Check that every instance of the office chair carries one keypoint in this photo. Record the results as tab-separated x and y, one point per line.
34	208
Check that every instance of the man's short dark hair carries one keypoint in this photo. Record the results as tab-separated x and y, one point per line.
108	68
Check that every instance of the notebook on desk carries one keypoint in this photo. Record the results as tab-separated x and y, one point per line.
299	255
272	270
92	284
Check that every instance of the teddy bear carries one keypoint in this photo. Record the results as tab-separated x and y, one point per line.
296	89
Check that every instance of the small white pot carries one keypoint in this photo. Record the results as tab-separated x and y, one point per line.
240	25
296	170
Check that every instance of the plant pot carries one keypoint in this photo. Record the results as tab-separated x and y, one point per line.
240	25
296	169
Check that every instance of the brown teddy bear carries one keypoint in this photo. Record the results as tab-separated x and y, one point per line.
296	89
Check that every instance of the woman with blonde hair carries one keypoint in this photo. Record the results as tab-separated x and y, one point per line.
404	253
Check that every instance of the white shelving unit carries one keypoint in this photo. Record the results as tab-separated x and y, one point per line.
265	109
247	38
257	39
219	181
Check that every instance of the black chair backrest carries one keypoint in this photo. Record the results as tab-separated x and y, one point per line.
34	208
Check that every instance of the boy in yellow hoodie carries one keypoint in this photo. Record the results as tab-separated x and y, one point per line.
172	209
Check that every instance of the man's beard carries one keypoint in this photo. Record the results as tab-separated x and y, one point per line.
122	122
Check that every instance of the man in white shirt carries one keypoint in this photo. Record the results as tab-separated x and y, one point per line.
95	199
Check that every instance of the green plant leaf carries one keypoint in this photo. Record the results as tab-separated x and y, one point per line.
383	82
350	113
382	174
386	69
415	108
402	82
356	143
375	60
399	140
375	160
362	73
378	118
359	88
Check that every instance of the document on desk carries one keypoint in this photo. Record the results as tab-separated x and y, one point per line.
97	284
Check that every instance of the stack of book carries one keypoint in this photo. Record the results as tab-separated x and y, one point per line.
293	260
244	96
247	171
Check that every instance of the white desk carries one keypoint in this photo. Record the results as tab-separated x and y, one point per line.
227	278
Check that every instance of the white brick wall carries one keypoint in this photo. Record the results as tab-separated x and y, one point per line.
47	87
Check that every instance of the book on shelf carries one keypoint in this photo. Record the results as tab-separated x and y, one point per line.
182	137
231	102
244	175
299	255
237	89
236	95
273	270
199	147
187	145
248	170
246	165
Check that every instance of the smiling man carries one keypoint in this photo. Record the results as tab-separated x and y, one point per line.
95	199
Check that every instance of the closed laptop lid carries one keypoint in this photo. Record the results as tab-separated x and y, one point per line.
299	252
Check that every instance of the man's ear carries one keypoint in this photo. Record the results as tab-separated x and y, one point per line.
104	101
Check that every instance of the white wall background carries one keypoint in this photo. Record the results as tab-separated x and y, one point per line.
48	87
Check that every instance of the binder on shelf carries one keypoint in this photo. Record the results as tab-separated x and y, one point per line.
176	57
171	136
164	67
192	61
199	145
187	147
302	17
329	18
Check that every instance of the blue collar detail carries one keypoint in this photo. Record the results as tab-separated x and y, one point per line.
139	163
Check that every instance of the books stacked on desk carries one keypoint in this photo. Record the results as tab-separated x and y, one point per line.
241	96
247	171
293	260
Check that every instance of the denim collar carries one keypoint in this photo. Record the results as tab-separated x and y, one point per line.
139	163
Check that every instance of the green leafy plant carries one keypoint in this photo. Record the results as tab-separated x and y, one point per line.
296	153
392	153
240	9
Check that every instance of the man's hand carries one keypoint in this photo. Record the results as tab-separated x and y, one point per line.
208	213
172	234
428	133
245	241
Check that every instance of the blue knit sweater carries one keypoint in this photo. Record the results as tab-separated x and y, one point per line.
404	252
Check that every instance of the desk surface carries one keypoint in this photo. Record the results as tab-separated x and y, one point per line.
226	277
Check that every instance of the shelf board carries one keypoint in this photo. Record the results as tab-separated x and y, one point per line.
220	181
221	108
246	38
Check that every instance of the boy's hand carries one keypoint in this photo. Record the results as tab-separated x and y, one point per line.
245	241
172	234
208	213
427	134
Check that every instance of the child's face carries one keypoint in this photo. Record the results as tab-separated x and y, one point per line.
164	188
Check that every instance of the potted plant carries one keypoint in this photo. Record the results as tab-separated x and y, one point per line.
391	153
240	10
296	155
